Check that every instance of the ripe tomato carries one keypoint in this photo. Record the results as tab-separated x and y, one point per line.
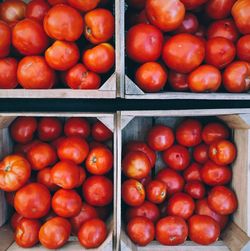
26	234
54	2
5	33
144	43
63	22
133	192
141	230
37	9
82	176
151	77
136	165
178	81
146	209
85	5
73	148
44	177
97	191
243	48
205	78
32	201
100	132
189	25
156	191
171	230
99	26
55	233
192	173
77	127
172	179
222	200
193	4
15	220
195	189
176	157
200	152
188	133
8	72
142	18
183	52
203	229
24	148
14	173
222	152
146	180
92	233
236	77
160	137
137	4
34	73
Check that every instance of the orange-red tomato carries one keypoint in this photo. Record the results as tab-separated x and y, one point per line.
15	220
192	173
44	177
243	48
189	24
156	191
195	189
82	176
77	127
200	153
8	72
178	81
37	9
84	5
100	132
5	34
193	4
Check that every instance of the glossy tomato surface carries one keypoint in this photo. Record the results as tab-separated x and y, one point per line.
37	9
190	24
156	191
8	72
178	81
77	127
5	42
14	220
200	153
195	189
101	132
84	6
44	177
192	173
243	48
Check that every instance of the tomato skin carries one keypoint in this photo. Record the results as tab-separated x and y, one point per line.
133	193
24	148
146	180
192	173
156	191
193	4
64	23
100	132
141	230
83	6
195	189
178	81
54	2
5	42
144	43
200	153
55	233
44	177
15	220
77	127
189	25
8	73
203	229
37	9
171	230
14	173
31	206
99	26
243	48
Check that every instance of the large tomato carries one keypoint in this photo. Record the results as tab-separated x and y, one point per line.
37	9
193	4
200	152
178	81
243	48
8	72
44	177
5	33
100	132
156	191
195	189
82	176
24	148
190	24
85	5
192	173
77	127
15	220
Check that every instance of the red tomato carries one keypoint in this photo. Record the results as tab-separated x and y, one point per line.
99	26
44	177
73	148
92	233
85	5
133	193
32	201
34	73
54	2
195	189
193	4
176	157
142	18
141	230
5	33
172	179
243	48
97	191
100	132
15	220
137	4
26	234
77	127
178	81
190	24
63	22
183	52
146	180
144	43
222	200
82	176
8	72
160	137
203	229
200	152
192	173
156	191
55	233
188	133
151	77
37	9
14	172
171	230
24	148
222	152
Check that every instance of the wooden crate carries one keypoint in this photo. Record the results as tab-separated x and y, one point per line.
6	234
134	125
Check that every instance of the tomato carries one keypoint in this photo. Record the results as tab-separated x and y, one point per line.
243	48
236	77
73	148
82	176
183	53
205	78
156	191
151	77
142	18
15	220
203	229
193	4
171	230
85	5
136	165
8	72
92	233
23	128
24	148
172	179
195	189
55	233
188	133
176	157
137	4
160	137
214	131
146	180
141	230
37	9
97	191
34	73
192	173
133	192
200	152
202	208
146	209
63	22
222	200
32	201
54	2
44	177
190	24
99	26
144	43
100	132
77	127
222	152
26	234
178	81
14	173
225	28
5	33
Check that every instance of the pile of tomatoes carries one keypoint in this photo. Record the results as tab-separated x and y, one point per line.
189	197
55	43
59	181
198	45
